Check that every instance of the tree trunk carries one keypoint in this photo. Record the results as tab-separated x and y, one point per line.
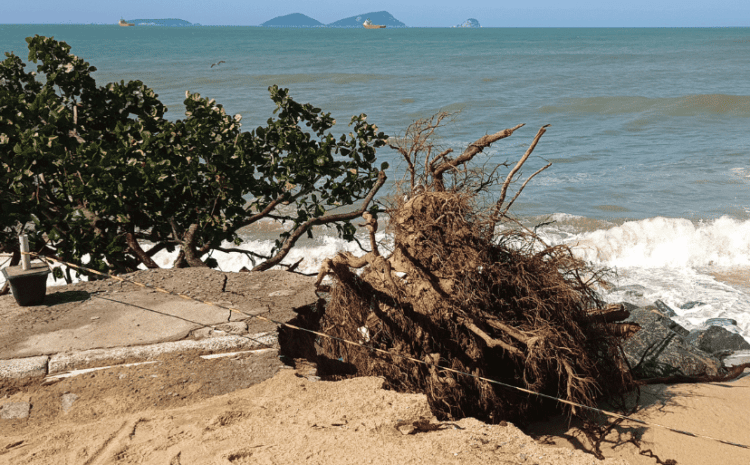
139	252
188	247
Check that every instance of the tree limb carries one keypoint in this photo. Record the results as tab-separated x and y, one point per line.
471	151
302	228
139	252
518	166
188	247
510	204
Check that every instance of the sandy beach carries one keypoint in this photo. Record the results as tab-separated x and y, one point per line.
292	418
253	409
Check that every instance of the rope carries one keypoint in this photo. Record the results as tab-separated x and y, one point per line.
405	357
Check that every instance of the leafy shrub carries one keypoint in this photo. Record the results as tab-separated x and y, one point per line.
98	170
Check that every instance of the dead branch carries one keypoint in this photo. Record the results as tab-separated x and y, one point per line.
520	189
518	166
473	149
608	314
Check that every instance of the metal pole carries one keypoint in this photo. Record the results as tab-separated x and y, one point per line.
25	259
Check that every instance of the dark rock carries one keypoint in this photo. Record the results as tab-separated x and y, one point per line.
633	290
665	309
720	322
717	340
692	304
651	314
660	349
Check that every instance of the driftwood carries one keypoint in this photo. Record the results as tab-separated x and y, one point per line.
457	292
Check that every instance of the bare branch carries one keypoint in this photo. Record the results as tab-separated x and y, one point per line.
471	151
518	166
510	204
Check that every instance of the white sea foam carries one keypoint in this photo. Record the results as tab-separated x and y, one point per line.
664	242
312	254
673	260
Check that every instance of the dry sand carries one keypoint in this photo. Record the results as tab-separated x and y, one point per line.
131	415
719	410
187	410
286	419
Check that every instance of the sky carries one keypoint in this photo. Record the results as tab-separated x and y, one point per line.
414	13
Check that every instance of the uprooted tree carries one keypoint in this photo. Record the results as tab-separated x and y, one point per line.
98	171
463	289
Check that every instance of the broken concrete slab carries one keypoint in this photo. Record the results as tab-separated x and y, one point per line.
67	401
107	313
134	318
235	327
89	358
15	410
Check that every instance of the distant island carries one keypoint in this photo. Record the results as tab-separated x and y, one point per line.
377	17
471	22
300	20
170	22
293	20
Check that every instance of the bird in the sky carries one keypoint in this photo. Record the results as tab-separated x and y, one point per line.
222	61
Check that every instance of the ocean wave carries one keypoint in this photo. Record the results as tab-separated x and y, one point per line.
687	105
663	243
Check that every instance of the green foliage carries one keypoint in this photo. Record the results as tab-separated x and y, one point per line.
96	171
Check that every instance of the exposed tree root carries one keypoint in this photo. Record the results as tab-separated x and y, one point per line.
455	292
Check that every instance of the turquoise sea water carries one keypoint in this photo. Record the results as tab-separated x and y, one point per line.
649	134
645	122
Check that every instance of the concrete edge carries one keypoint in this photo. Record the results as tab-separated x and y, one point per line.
30	367
44	365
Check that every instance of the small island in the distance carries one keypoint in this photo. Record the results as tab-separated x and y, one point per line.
471	22
170	22
299	20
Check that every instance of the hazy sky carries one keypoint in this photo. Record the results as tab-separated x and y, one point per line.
419	13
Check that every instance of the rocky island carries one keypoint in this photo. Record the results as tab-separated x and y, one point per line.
378	17
300	20
293	20
471	22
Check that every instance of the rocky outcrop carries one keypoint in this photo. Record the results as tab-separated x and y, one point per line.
661	350
717	340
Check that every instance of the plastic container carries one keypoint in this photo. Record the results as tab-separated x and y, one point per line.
28	287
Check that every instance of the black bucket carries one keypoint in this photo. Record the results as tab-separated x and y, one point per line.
28	287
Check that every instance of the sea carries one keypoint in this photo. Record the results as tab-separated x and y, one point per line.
649	134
